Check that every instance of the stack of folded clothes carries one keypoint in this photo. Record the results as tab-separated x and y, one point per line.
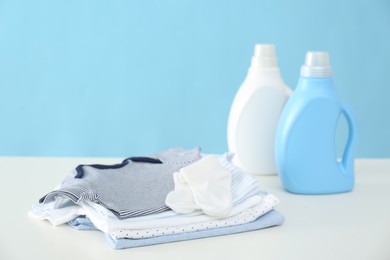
174	195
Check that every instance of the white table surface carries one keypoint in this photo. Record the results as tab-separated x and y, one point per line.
353	225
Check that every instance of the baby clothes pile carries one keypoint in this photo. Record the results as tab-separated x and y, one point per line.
170	196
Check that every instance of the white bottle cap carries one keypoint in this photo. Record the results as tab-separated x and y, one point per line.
264	56
316	65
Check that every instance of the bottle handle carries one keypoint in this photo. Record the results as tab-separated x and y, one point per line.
348	156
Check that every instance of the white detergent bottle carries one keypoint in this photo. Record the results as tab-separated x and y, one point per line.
255	113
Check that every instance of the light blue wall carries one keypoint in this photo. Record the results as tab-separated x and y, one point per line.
116	78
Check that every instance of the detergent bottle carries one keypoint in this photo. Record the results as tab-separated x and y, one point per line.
305	139
255	113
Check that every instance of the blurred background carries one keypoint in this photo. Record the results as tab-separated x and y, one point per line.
119	78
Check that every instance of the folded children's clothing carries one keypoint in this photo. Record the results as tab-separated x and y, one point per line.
257	204
130	201
107	223
61	210
272	218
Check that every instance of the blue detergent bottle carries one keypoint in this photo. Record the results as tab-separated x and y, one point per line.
305	140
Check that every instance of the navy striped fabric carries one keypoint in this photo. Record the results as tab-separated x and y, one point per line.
80	168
